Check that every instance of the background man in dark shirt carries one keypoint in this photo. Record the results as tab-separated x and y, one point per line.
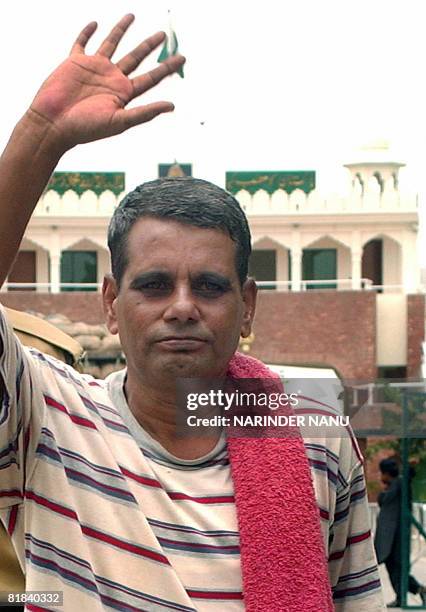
388	533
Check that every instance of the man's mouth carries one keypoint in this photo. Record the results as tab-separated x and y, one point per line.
181	343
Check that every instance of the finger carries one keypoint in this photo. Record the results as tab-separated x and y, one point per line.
151	78
132	60
83	38
110	43
142	114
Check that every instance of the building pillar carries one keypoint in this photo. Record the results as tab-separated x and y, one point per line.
55	274
42	269
410	266
296	259
296	269
55	262
356	267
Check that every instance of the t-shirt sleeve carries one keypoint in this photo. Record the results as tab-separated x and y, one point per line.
21	415
352	562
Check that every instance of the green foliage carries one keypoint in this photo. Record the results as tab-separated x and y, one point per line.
373	488
372	449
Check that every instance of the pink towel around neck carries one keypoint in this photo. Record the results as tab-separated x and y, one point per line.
283	560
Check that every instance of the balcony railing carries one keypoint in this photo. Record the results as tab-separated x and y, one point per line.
50	287
333	284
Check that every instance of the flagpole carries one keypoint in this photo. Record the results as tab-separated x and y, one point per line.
170	48
176	123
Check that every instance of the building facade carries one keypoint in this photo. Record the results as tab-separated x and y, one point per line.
65	245
340	273
358	249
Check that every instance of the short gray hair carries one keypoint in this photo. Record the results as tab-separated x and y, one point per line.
186	200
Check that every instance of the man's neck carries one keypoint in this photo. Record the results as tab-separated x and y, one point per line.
156	412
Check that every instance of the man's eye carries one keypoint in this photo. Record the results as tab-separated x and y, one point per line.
209	288
154	287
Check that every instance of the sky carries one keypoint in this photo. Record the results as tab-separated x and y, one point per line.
271	85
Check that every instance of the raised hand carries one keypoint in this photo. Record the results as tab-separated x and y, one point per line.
85	98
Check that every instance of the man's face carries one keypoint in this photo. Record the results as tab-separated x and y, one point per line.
386	480
180	309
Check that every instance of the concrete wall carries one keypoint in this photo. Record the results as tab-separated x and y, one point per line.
391	329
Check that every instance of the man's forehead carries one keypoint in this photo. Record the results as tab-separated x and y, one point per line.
160	242
165	232
169	224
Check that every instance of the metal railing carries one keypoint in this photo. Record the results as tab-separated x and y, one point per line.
50	287
332	284
371	389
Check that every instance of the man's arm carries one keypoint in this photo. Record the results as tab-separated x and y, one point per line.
352	563
83	100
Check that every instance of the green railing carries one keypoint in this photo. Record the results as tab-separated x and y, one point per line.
407	519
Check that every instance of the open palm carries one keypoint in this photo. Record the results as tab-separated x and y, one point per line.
85	98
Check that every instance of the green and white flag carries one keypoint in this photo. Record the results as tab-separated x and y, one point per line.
170	48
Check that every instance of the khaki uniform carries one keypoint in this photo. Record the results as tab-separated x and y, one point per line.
37	333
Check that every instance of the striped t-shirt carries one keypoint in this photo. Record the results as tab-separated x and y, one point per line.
99	510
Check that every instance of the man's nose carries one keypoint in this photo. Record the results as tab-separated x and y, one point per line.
182	306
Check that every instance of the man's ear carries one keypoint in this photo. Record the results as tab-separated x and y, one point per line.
109	302
249	291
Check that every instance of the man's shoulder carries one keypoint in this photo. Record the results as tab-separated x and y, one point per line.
39	334
338	456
